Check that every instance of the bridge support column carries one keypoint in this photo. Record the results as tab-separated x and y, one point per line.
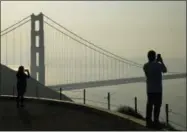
37	48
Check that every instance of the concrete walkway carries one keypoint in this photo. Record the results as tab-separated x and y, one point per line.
48	115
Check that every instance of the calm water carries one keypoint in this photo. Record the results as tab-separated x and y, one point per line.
174	94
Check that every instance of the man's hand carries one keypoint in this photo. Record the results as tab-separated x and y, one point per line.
161	60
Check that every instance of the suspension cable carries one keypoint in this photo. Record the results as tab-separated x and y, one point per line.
20	48
15	28
15	24
128	61
13	48
99	68
92	43
89	46
6	49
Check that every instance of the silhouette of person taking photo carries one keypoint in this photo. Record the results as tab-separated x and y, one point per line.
21	84
153	71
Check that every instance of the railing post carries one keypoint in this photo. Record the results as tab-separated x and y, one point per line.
60	93
13	91
108	101
37	91
84	96
167	114
135	104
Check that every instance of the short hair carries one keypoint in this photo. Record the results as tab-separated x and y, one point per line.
151	55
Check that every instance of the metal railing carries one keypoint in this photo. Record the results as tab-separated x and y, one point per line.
108	105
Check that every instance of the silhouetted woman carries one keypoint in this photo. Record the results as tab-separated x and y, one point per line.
21	84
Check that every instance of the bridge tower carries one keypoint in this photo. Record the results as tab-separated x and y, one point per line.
37	48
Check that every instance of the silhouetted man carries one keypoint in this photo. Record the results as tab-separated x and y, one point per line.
21	84
153	70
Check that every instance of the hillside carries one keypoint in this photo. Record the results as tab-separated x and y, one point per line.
8	81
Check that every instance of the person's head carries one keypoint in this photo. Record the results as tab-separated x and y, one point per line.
151	55
21	69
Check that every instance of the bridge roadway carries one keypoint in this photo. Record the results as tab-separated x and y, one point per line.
47	114
92	84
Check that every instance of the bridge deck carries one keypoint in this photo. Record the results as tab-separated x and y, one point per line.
49	115
100	83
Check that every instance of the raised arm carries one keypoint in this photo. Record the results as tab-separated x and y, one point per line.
163	67
28	74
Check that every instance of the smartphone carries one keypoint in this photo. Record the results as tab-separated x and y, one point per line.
158	57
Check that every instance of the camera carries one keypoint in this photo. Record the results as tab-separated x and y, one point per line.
158	57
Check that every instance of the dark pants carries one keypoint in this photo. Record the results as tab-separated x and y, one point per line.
153	99
20	95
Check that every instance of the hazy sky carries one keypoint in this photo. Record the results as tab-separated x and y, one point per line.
128	29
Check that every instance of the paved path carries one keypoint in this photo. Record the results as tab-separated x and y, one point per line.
51	116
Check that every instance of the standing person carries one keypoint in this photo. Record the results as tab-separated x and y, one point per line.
21	84
153	71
